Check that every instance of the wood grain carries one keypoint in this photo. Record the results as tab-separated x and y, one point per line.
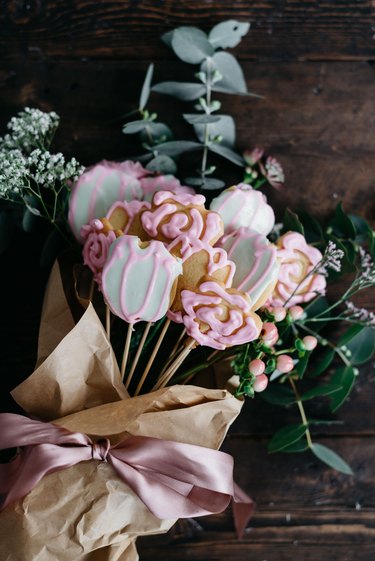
119	29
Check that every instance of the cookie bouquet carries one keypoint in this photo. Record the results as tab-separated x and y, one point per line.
186	298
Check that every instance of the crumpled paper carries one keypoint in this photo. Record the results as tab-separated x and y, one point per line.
85	512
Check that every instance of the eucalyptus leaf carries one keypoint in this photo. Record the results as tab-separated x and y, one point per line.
362	345
278	395
162	164
186	91
159	132
176	147
324	361
210	184
228	34
224	128
233	79
331	458
286	437
167	38
193	181
194	119
319	391
228	154
292	222
344	377
191	45
145	92
135	127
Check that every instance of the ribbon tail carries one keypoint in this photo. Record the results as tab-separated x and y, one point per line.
243	508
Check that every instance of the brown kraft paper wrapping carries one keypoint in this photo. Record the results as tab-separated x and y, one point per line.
86	512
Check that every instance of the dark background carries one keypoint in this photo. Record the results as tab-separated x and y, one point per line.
314	63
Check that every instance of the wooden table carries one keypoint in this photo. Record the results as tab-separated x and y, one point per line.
313	62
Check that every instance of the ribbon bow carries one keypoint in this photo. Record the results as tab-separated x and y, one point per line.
173	479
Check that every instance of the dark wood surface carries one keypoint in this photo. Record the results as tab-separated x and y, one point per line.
313	63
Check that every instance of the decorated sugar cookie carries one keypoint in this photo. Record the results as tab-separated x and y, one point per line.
172	215
126	216
218	317
199	260
98	237
139	279
257	267
97	189
243	206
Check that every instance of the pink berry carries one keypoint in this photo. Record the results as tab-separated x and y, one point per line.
269	334
296	312
257	367
260	383
310	342
284	363
279	313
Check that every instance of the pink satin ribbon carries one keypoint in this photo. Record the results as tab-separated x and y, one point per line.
173	479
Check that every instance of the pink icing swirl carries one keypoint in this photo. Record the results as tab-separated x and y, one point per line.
131	208
96	247
219	318
173	215
297	260
150	185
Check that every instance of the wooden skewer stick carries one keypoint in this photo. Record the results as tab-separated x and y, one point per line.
92	289
209	358
126	353
138	354
163	381
152	357
175	351
108	321
175	348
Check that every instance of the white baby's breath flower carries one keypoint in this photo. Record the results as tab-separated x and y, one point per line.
13	173
30	129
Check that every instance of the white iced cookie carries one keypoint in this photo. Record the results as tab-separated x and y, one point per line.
139	279
242	206
257	267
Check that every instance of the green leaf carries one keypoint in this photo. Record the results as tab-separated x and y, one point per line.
162	164
7	227
28	221
302	364
299	446
349	334
228	154
135	127
145	93
228	34
371	243
200	119
233	80
158	131
176	147
362	228
344	377
210	184
191	45
292	222
319	391
167	38
312	228
225	128
362	346
330	458
286	436
342	225
324	362
316	307
278	395
185	91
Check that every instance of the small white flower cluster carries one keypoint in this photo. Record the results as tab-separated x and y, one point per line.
31	128
367	276
47	168
359	314
331	259
274	171
13	173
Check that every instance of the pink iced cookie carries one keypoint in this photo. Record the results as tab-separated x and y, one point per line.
218	317
297	259
243	206
126	216
139	279
173	215
257	267
98	188
97	240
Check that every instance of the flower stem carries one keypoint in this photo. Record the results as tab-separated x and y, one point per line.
302	411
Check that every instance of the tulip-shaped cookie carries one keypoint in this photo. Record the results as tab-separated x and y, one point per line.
139	279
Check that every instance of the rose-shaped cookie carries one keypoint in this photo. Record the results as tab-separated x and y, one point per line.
126	216
256	265
242	206
172	215
97	189
199	260
98	236
139	279
218	317
297	259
